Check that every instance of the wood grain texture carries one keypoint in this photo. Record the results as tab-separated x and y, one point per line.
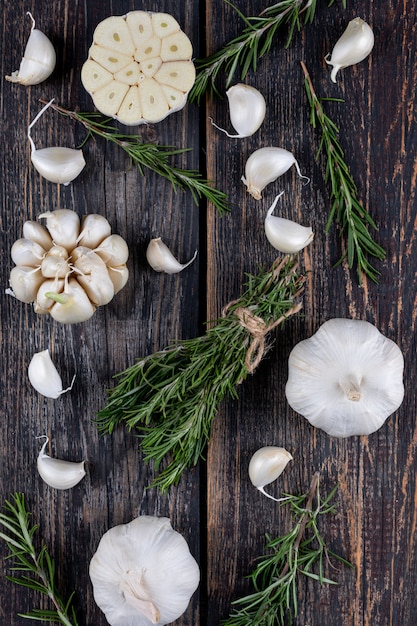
215	507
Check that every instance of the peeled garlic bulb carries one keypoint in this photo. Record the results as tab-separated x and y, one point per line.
57	473
143	573
38	61
354	46
161	259
264	166
139	67
57	164
285	235
346	379
44	376
266	465
247	110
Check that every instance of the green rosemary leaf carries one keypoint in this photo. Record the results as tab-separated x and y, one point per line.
254	42
37	567
346	210
275	577
151	156
170	398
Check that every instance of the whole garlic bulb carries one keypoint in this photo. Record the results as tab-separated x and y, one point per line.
139	67
61	277
143	573
38	61
346	379
354	46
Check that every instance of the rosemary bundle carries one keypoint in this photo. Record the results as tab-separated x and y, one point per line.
151	156
301	551
353	219
171	397
33	569
253	43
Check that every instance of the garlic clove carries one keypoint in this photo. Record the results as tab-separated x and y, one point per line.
118	276
38	61
44	377
93	276
72	305
56	164
113	250
161	259
27	252
57	473
266	465
247	109
266	165
94	76
37	233
43	304
285	235
94	228
25	282
354	46
63	225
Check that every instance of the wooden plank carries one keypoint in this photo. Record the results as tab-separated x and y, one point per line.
375	524
151	311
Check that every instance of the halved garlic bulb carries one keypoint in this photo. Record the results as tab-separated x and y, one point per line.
139	67
285	235
57	473
247	109
161	259
266	465
143	573
57	164
61	276
354	46
38	61
264	166
346	379
44	376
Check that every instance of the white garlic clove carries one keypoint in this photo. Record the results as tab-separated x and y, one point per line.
346	379
64	227
25	282
56	263
266	465
247	109
126	573
57	473
27	252
57	164
113	250
354	46
43	304
37	233
266	165
44	376
93	276
94	228
72	305
118	276
285	235
38	61
161	259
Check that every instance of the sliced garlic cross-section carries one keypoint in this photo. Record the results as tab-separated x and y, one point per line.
139	67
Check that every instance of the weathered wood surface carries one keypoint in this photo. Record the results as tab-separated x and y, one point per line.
222	516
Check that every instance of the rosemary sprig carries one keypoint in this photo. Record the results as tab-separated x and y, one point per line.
171	397
353	219
253	43
36	569
150	155
301	551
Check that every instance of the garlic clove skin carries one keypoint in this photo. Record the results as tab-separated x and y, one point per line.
57	473
266	465
38	61
64	227
264	166
161	259
58	164
285	235
44	376
247	109
143	572
354	46
346	379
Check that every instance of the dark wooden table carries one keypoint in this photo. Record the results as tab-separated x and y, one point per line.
215	507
